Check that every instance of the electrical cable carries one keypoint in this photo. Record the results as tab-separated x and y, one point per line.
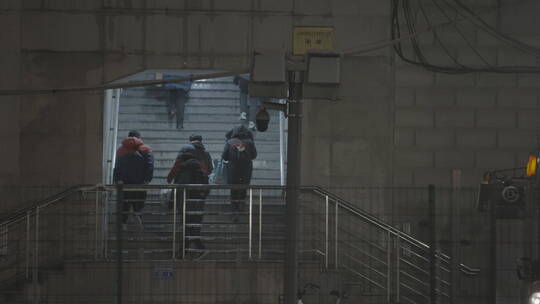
396	42
122	85
437	39
471	46
421	60
498	34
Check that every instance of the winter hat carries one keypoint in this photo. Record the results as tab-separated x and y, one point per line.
134	133
195	137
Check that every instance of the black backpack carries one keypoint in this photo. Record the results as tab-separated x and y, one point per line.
192	176
238	150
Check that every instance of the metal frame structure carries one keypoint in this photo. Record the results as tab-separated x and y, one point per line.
396	269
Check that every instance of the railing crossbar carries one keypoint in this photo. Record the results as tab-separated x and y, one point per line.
365	265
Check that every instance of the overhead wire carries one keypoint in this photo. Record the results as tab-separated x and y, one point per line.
121	85
436	36
422	61
490	29
469	44
397	38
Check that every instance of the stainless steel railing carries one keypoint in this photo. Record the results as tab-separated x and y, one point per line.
394	264
79	224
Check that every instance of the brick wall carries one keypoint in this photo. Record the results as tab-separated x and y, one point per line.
472	122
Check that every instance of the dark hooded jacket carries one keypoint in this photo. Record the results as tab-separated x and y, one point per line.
240	163
201	155
190	172
134	162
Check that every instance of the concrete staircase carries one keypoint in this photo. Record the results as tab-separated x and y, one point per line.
212	110
225	239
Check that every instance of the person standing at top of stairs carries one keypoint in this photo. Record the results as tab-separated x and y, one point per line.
248	105
178	96
134	166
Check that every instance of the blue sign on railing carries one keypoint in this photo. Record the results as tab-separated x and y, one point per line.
163	272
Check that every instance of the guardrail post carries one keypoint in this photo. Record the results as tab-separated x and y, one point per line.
119	236
388	269
28	244
250	245
184	203
96	241
326	241
260	224
336	235
36	261
173	254
432	247
105	223
398	273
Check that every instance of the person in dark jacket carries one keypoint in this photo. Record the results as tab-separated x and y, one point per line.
134	166
196	148
239	152
178	96
248	105
191	172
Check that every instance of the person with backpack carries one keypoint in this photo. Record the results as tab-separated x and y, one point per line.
239	152
190	172
196	148
134	166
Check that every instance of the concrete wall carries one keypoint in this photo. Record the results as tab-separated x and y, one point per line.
468	122
394	124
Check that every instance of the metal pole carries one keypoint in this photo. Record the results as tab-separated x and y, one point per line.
116	105
106	225
36	260
532	207
493	251
388	261
27	245
432	247
184	225
455	232
293	182
173	256
282	148
398	271
336	232
326	236
119	257
250	222
260	224
96	243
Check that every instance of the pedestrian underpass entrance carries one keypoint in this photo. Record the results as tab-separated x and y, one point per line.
210	108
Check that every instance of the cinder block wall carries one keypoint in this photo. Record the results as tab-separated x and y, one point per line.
471	122
394	124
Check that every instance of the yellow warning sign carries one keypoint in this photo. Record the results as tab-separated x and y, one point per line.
306	38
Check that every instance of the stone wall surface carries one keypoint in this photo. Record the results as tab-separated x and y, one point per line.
394	124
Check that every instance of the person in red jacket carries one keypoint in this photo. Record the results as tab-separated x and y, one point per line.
134	166
196	148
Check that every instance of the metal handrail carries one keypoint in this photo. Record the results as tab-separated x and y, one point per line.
22	213
389	228
356	214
